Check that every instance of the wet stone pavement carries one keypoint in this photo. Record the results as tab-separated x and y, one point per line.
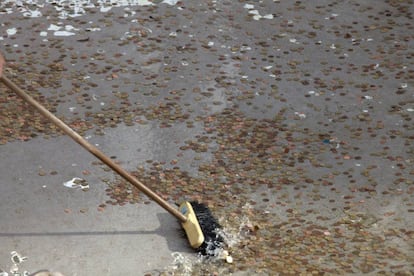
291	120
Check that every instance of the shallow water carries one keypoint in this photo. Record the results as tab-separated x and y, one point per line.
291	120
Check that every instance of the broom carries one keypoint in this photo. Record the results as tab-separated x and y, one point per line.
199	224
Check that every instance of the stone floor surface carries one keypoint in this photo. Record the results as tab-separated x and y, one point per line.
291	120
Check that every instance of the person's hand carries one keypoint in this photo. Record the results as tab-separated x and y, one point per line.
2	63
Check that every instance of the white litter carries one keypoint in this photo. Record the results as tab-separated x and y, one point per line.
53	27
300	115
169	2
76	183
11	31
105	9
72	8
255	13
33	14
63	33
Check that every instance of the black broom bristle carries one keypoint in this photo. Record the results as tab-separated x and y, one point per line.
213	240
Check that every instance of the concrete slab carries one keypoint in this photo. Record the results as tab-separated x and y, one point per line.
291	120
64	229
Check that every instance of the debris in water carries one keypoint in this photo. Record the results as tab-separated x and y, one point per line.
17	258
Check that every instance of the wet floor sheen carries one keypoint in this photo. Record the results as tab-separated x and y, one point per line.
292	120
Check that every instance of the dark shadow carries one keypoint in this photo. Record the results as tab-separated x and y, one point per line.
169	228
77	233
174	234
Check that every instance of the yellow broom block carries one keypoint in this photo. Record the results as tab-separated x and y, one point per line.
188	216
191	226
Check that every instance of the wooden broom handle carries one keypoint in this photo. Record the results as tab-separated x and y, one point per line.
94	150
